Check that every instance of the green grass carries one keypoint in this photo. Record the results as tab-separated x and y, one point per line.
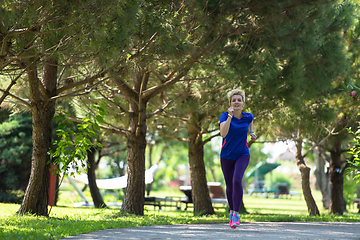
295	205
65	221
68	221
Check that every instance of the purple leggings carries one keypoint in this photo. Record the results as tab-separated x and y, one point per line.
233	173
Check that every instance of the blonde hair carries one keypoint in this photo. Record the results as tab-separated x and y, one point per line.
236	92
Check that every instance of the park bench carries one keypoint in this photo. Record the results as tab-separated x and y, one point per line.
357	201
163	202
283	190
217	195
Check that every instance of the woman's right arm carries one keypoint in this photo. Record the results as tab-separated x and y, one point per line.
224	127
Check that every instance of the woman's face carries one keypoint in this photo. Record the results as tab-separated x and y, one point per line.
237	102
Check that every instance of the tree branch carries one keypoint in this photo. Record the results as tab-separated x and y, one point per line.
209	139
77	84
185	67
23	101
171	136
13	82
125	89
73	93
42	88
109	127
331	133
163	107
113	102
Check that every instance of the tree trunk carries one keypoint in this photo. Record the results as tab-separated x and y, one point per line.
336	180
200	192
242	209
358	196
305	180
136	145
94	190
149	185
322	178
36	195
213	174
56	197
135	190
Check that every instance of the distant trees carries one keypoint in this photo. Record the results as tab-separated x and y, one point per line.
15	156
338	145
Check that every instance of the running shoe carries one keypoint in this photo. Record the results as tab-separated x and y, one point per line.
235	220
231	221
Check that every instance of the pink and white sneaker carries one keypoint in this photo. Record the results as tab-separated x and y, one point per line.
235	220
231	221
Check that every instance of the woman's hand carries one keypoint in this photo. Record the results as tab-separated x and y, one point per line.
231	111
253	136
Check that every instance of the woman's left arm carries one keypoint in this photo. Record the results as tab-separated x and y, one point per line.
251	131
251	126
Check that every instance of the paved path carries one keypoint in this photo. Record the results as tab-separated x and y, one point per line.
258	230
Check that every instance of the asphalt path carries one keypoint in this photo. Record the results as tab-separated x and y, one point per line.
256	230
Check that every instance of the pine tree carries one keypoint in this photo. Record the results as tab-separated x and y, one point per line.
37	38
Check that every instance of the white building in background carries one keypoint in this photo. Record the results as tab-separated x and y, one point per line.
288	162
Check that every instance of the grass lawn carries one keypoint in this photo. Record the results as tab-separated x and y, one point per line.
68	221
295	205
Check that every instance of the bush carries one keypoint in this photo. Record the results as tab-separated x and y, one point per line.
15	157
354	163
349	189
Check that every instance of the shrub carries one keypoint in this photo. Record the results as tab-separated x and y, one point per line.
15	157
349	189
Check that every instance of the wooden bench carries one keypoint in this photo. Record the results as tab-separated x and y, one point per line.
162	202
153	201
188	199
217	195
283	190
